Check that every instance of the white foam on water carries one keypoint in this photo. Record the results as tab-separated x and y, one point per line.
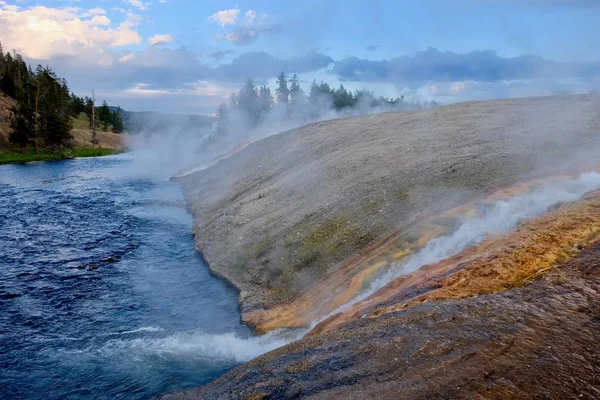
225	347
143	329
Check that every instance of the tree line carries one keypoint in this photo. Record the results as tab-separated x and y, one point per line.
42	115
253	105
103	116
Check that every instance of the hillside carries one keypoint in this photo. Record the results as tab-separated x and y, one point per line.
303	221
6	103
294	208
81	132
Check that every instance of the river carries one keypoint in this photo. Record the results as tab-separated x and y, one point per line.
102	294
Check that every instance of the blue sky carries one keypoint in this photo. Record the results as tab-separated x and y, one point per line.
187	56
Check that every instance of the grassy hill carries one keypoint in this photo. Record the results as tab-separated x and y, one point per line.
81	146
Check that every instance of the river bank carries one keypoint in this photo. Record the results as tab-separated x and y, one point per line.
25	157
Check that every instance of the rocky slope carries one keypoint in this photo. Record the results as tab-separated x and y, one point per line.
311	209
527	326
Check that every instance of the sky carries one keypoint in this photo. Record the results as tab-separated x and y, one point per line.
187	56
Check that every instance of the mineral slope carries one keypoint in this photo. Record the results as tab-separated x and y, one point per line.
517	316
318	209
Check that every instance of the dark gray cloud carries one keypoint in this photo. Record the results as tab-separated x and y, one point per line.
485	66
220	54
262	65
372	47
164	68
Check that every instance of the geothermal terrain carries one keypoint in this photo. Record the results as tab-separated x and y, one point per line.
306	221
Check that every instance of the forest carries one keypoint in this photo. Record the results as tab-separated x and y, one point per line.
45	107
253	107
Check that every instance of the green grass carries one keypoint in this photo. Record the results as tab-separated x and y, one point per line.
81	122
24	157
18	158
87	152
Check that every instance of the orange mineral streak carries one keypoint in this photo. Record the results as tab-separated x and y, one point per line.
349	280
497	264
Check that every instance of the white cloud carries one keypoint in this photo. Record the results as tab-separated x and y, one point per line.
198	88
247	30
43	33
92	12
225	17
250	16
137	4
160	39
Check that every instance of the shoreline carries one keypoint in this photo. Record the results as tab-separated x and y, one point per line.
27	157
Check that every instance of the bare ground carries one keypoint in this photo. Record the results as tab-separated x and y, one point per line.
106	140
291	209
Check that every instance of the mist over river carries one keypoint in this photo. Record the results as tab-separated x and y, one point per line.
102	294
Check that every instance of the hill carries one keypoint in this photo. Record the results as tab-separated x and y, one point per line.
303	222
294	208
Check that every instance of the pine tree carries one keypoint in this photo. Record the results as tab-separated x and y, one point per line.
89	108
283	93
343	98
104	116
117	121
248	101
21	124
265	99
297	96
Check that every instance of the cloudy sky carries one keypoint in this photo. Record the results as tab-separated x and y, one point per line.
187	56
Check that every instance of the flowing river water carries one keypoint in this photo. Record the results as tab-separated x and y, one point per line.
102	294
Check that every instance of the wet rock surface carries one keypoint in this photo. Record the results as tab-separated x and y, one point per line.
541	341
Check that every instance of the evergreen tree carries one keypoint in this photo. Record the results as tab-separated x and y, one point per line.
117	121
265	99
248	101
104	116
89	106
52	118
297	96
21	124
343	98
77	105
283	93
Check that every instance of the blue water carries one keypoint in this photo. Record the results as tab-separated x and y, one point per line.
102	294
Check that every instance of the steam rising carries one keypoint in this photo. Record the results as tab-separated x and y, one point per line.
169	145
497	219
